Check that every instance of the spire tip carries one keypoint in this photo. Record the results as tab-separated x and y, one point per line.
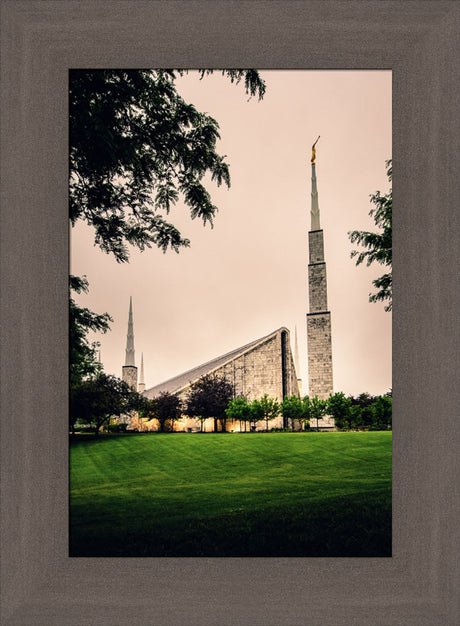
313	150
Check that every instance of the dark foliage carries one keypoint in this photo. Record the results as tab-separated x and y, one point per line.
96	400
378	246
82	354
166	408
135	147
210	397
361	412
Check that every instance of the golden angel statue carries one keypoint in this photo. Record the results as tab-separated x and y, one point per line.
313	150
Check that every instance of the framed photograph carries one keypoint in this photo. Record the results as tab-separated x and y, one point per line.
259	322
41	42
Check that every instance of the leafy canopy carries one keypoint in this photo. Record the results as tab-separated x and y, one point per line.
269	408
239	410
292	408
210	396
314	408
135	147
166	408
83	361
378	246
96	399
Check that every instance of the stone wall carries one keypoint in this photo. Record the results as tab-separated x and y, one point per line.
317	287
319	341
129	375
320	381
315	246
261	370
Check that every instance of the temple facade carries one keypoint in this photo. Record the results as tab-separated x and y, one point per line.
264	366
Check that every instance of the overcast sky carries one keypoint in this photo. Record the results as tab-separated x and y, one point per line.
248	275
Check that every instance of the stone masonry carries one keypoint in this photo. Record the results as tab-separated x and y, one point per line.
129	375
318	321
319	340
265	366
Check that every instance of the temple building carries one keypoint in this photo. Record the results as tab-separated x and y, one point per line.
266	365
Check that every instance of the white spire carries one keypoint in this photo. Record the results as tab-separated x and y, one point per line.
141	381
129	360
141	385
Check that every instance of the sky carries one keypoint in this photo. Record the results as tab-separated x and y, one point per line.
247	276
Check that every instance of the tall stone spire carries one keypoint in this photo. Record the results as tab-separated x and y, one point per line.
141	377
129	370
319	341
129	359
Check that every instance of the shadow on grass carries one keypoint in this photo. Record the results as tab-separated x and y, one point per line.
358	526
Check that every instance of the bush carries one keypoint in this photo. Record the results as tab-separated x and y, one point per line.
84	429
118	428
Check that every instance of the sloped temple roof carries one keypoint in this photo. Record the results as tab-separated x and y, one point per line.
178	383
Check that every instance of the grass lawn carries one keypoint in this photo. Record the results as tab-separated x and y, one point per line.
254	494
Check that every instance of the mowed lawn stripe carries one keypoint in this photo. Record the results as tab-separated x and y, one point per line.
149	484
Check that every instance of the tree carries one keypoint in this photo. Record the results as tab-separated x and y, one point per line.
209	397
270	409
356	420
239	410
338	405
82	354
166	408
96	399
256	414
317	409
365	402
292	409
382	410
306	411
135	147
378	245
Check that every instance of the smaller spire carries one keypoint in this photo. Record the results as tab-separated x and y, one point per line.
129	360
141	385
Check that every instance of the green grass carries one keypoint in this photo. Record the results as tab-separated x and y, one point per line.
264	494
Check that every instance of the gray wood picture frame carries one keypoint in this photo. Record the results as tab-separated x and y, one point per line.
41	40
